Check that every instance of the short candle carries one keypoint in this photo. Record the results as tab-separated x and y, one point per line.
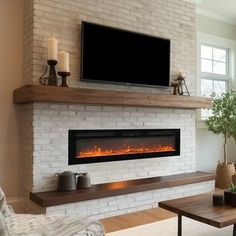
63	65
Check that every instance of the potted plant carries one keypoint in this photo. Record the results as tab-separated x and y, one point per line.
230	195
223	121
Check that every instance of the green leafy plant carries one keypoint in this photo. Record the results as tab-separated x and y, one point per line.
223	119
232	188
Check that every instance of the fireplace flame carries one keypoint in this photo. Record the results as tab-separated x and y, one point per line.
98	151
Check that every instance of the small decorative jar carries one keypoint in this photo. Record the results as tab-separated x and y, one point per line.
218	199
83	181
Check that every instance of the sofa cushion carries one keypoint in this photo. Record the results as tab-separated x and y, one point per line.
53	225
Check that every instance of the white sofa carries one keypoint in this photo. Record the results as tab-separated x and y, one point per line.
45	225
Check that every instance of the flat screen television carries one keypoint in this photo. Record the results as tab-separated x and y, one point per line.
120	56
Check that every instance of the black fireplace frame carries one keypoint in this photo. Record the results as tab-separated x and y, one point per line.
72	134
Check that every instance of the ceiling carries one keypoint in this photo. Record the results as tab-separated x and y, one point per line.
220	9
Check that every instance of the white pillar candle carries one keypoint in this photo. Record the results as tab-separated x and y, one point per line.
63	65
52	49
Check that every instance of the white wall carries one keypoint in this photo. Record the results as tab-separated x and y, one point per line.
215	27
209	148
232	150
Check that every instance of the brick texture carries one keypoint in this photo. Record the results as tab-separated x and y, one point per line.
51	123
46	125
169	19
107	207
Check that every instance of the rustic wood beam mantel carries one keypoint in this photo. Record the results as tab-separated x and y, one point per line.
50	94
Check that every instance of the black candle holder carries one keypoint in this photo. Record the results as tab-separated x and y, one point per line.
64	76
51	79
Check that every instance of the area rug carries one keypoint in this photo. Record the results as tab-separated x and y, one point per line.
169	228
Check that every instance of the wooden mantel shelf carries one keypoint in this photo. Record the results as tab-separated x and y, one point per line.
53	198
50	94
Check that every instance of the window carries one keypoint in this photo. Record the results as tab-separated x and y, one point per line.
214	73
213	60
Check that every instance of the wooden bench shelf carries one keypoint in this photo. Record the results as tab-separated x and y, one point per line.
51	94
52	198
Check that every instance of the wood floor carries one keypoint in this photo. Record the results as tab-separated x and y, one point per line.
134	219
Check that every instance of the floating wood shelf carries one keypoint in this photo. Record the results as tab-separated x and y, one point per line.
50	94
53	198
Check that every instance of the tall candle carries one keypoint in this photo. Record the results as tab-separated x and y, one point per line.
63	65
52	49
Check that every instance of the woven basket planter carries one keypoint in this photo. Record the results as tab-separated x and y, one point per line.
224	174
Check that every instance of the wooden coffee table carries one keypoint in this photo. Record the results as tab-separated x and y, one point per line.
200	208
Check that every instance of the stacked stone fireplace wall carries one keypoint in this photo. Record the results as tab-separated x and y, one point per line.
45	126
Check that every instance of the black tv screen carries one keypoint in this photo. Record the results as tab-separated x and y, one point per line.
120	56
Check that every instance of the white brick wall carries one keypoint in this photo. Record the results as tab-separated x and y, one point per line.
118	205
46	125
46	148
51	123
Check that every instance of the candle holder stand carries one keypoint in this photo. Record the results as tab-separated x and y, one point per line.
64	76
51	79
179	85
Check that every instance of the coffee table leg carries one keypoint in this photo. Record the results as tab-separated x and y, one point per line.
180	225
234	232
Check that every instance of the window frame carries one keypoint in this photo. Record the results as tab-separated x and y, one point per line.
226	49
221	43
214	76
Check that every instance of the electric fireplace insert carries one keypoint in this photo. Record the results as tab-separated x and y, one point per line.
91	146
